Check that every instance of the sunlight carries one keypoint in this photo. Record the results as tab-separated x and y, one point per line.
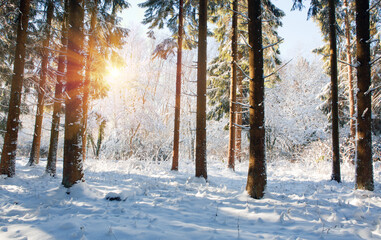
112	76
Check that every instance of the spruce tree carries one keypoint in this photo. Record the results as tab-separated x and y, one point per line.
35	152
257	177
51	165
73	159
8	155
176	130
201	161
364	163
233	87
334	91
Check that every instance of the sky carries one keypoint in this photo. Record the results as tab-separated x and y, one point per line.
300	35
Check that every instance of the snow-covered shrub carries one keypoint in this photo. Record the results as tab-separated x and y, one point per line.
293	119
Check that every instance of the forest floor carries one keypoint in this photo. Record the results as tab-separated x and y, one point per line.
300	203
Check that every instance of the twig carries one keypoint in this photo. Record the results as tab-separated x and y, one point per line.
277	69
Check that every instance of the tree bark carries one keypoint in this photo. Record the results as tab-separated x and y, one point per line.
364	167
201	167
239	113
176	137
8	155
51	165
257	178
73	159
352	124
334	91
35	152
91	49
233	88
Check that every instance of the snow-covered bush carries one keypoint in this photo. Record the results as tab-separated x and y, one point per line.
292	115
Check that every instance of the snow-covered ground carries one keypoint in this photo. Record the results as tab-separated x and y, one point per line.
301	203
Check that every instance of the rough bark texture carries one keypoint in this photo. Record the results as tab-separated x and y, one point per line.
8	155
51	165
89	60
334	94
257	178
176	131
35	152
364	167
73	159
239	113
201	92
352	124
233	89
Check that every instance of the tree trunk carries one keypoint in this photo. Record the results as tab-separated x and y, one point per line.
364	167
8	155
89	60
239	113
101	134
334	91
201	168
176	137
257	179
350	74
233	88
51	165
73	159
35	152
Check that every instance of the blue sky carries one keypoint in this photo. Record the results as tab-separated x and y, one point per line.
301	36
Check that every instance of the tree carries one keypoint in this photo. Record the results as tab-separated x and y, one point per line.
58	95
8	156
89	60
176	131
73	159
240	98
350	72
364	166
257	178
156	14
233	87
35	152
105	36
201	168
334	91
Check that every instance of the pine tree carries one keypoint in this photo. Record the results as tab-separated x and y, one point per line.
172	14
35	152
348	51
233	87
58	95
8	156
334	91
89	60
201	167
257	177
364	166
176	138
73	159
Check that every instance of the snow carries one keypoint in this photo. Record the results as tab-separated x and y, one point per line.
155	203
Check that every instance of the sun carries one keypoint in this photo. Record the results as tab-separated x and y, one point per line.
112	75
